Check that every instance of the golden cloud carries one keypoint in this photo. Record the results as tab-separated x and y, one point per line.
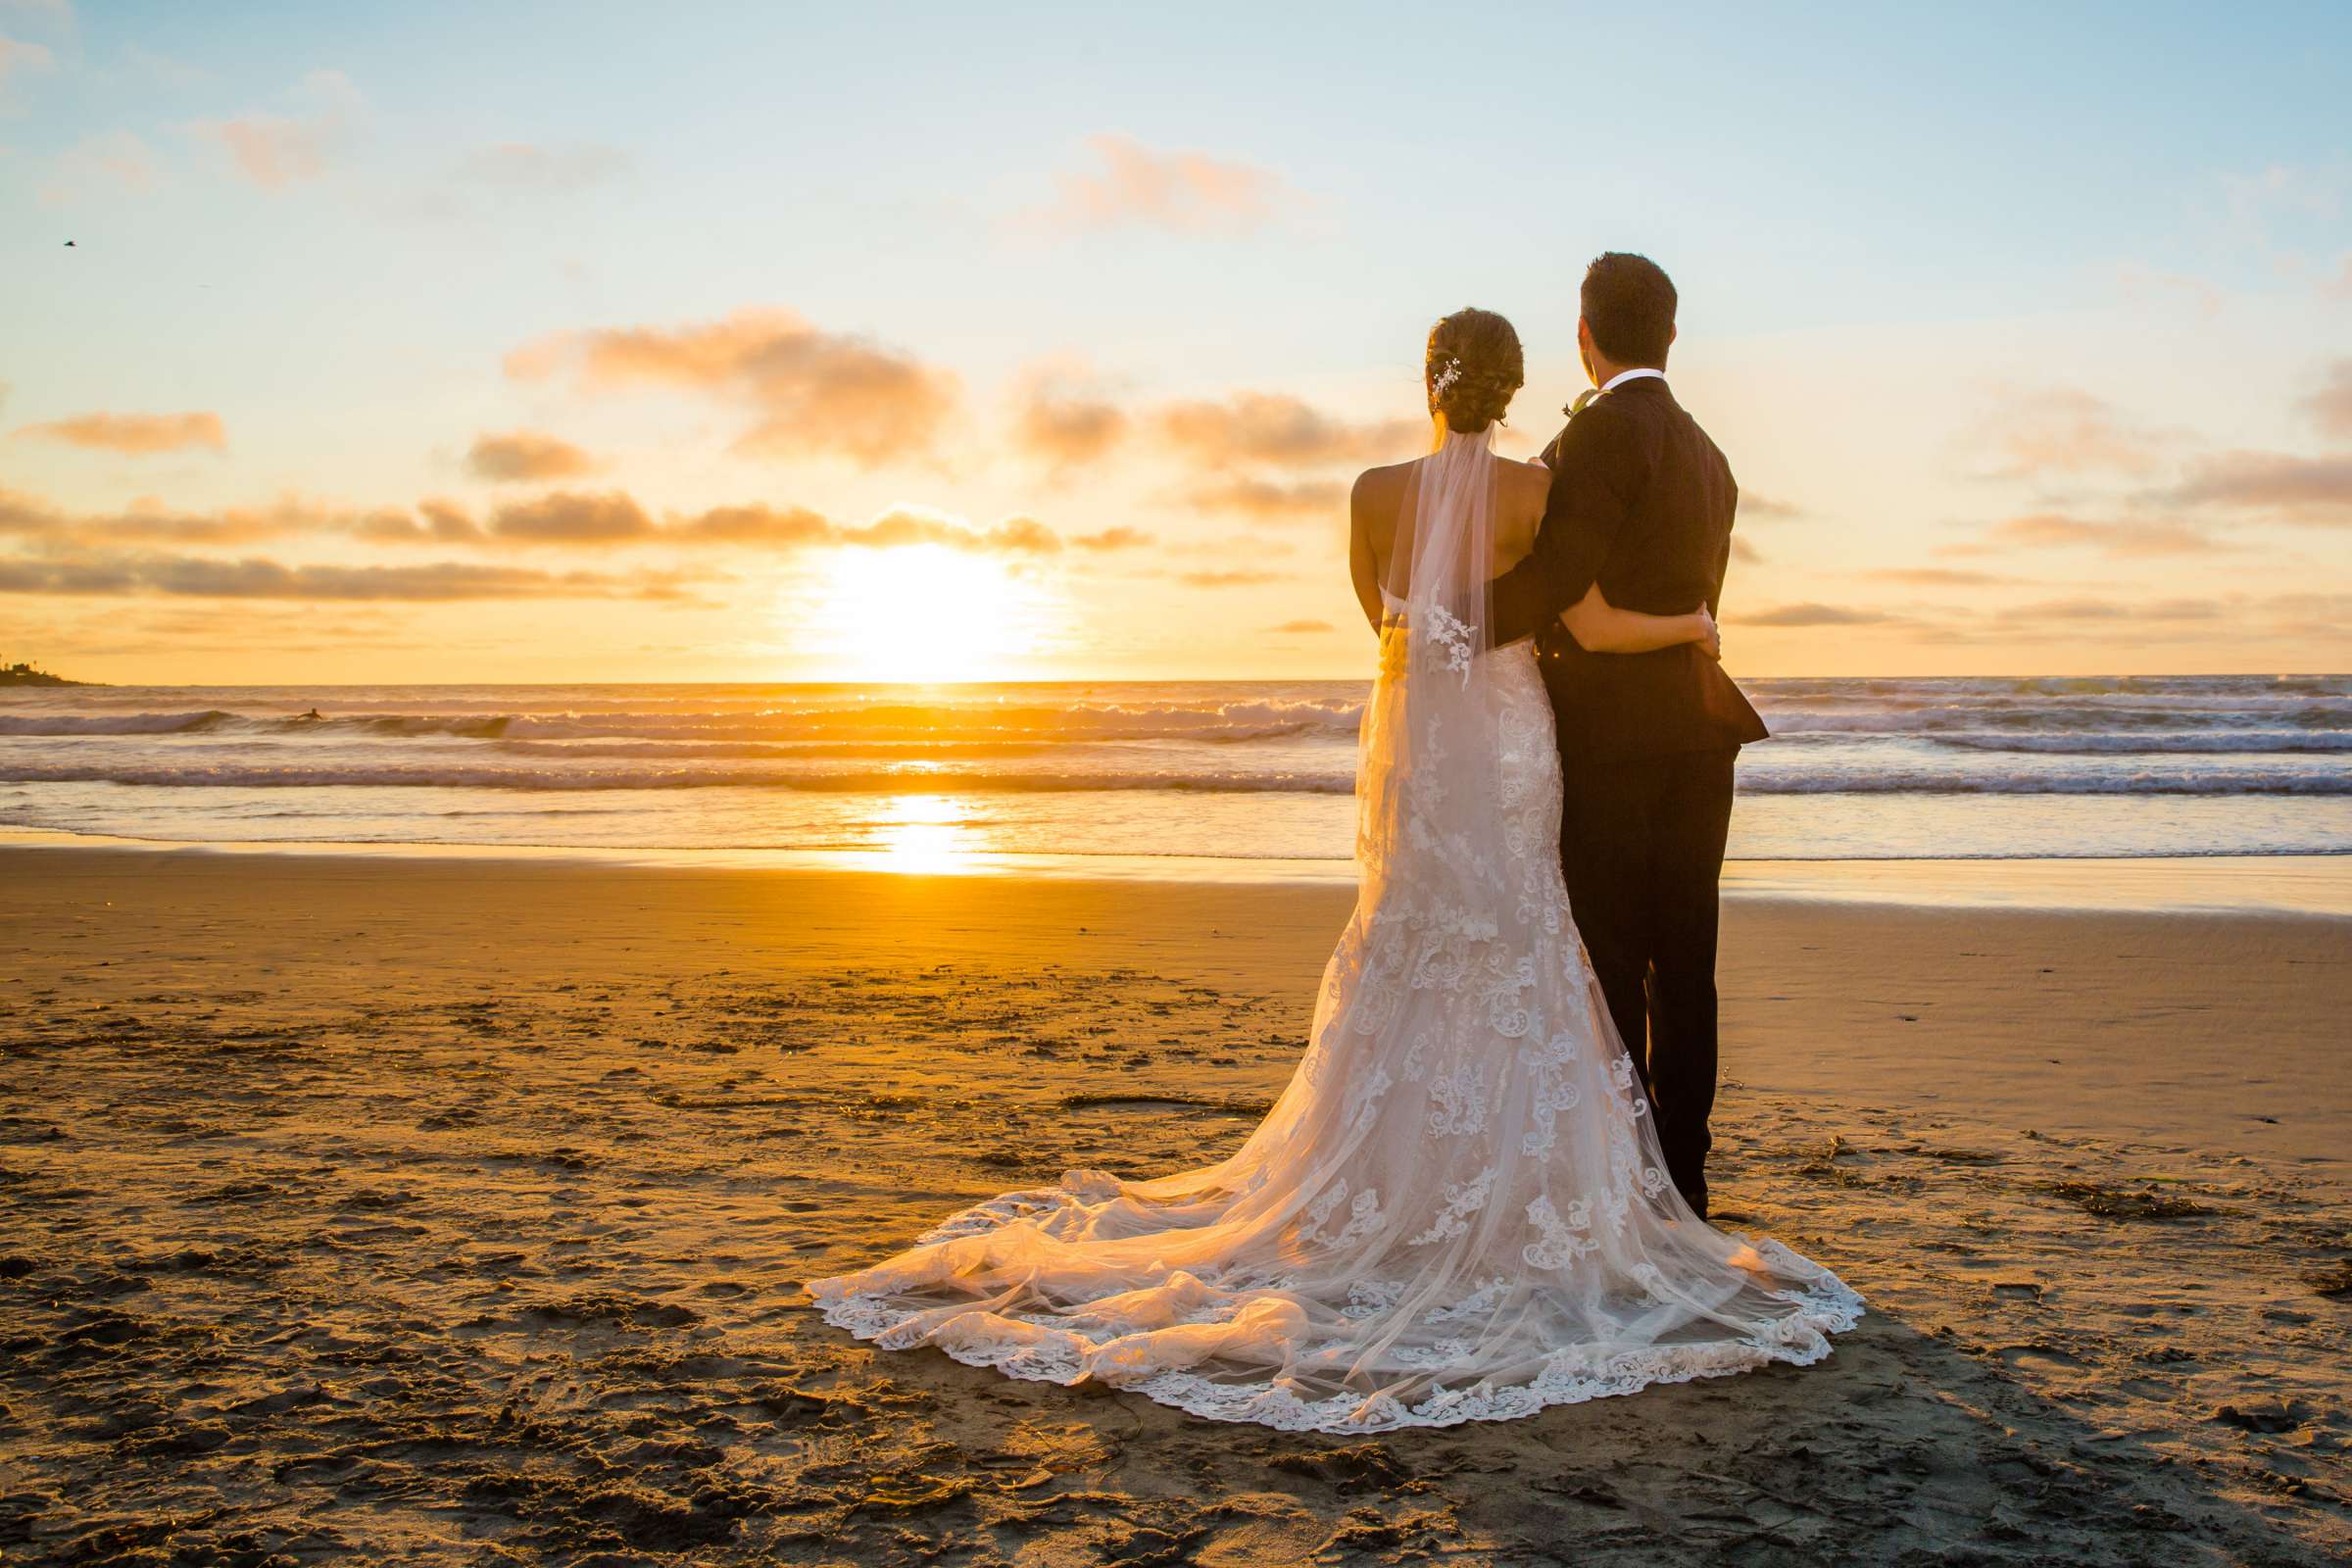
525	455
1273	499
1061	423
2330	407
149	521
135	435
1182	192
205	578
1276	429
567	519
810	392
1227	579
2297	489
1939	577
786	527
81	554
2066	431
1811	614
909	526
2122	540
274	150
436	523
1121	538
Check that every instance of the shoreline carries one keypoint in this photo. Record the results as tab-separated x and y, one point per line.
2317	886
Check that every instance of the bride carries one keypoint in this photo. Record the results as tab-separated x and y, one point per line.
1457	1209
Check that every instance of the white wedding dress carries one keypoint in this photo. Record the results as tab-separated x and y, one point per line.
1457	1209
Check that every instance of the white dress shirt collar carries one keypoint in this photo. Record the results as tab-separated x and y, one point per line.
1635	375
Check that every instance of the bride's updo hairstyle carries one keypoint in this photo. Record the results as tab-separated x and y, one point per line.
1473	369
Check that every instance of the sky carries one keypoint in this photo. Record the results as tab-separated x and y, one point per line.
581	342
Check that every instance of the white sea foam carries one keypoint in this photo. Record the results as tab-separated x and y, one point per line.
2177	764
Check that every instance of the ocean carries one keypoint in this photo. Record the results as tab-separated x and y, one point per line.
1858	769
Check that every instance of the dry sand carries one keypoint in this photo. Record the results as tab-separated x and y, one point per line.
450	1211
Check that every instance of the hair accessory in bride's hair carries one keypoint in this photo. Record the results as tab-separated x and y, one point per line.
1443	382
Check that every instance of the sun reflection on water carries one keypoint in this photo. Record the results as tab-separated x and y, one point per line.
925	833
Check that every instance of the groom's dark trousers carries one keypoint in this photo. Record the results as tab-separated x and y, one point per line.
1641	504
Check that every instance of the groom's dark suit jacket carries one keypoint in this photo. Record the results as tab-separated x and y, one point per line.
1642	503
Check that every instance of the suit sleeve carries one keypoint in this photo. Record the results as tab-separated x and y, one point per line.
1592	483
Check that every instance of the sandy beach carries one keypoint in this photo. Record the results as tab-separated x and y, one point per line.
452	1211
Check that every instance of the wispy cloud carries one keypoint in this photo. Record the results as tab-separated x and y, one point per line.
770	527
2122	539
1271	500
207	577
913	525
2294	489
1257	453
1062	418
1229	579
616	518
1811	614
434	522
133	434
1133	185
2065	431
1107	539
32	520
117	157
2140	613
2330	407
1941	578
567	519
558	519
521	456
147	520
1279	429
810	392
274	150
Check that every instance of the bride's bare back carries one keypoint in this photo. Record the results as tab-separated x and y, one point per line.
1380	512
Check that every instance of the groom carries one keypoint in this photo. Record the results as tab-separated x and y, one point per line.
1641	504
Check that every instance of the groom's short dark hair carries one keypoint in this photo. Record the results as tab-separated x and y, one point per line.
1628	302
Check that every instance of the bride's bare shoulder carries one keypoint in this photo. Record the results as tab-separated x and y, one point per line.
1524	479
1380	489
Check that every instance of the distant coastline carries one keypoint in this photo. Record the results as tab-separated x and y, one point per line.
33	675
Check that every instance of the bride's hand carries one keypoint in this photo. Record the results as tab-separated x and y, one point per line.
1710	638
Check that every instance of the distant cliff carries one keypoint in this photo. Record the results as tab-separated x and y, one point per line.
31	675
